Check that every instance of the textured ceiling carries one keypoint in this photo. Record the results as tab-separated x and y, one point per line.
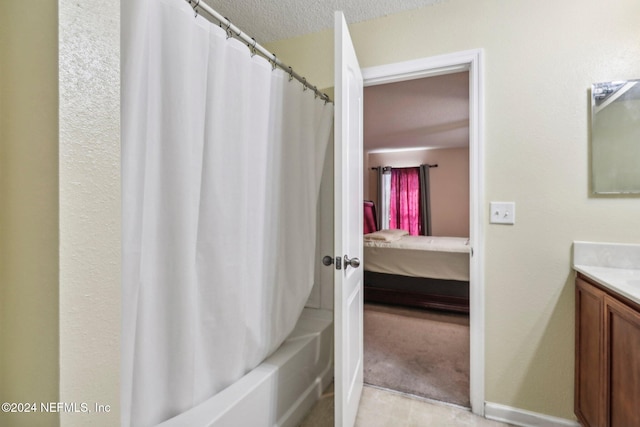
272	20
429	112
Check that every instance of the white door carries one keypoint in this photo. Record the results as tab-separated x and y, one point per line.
348	305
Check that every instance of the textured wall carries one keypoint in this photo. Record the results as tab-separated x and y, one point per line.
540	60
90	208
28	210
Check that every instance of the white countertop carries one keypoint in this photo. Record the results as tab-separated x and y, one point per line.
614	266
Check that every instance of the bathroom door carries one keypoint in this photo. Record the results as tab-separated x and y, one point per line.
348	305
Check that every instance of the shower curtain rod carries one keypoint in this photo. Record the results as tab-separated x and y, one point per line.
409	167
233	31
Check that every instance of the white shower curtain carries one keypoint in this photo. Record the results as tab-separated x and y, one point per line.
221	163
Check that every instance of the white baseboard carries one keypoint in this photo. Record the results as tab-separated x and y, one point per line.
520	417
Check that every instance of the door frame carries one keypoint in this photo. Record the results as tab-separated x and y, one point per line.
472	61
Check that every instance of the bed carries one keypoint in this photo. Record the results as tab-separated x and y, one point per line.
421	271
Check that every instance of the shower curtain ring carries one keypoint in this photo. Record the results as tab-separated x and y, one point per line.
315	92
290	73
195	8
229	32
304	84
273	62
252	48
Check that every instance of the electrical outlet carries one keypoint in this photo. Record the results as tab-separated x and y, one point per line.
503	213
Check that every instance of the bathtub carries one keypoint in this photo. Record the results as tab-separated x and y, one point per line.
281	390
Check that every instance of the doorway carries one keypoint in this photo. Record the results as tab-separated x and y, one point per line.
471	62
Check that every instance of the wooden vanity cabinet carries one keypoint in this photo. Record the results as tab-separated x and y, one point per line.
607	380
589	383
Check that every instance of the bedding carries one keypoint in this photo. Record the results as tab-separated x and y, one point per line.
418	256
419	271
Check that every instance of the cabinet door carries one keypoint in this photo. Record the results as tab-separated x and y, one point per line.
589	386
622	364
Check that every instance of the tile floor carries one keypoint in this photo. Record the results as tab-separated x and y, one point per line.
382	408
385	408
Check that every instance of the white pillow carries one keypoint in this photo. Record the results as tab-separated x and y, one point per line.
386	235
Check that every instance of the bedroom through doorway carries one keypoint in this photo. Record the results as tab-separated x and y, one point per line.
416	317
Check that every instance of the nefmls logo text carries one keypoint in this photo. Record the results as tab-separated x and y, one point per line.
64	407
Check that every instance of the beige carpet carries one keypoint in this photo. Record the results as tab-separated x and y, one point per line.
420	352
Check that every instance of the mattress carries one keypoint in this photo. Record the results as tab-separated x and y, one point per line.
420	256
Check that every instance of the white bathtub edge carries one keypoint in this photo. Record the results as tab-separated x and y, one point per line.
256	385
307	400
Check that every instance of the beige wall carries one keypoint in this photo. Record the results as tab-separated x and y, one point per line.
449	185
540	60
60	216
28	209
90	208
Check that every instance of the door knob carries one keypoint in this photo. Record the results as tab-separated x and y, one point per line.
353	262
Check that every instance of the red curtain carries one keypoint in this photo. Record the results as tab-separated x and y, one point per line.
404	209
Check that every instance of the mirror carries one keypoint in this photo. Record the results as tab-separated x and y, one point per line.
615	137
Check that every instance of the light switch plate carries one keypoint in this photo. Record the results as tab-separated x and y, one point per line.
502	213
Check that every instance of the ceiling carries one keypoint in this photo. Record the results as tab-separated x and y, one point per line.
429	112
272	20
